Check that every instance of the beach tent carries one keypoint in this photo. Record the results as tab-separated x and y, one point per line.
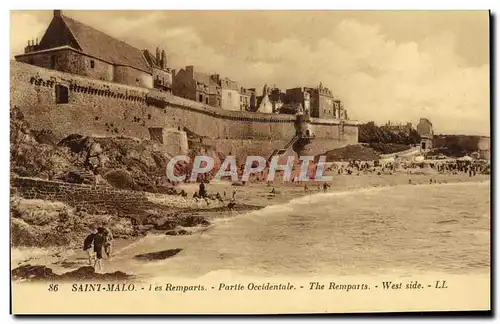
418	159
465	158
387	160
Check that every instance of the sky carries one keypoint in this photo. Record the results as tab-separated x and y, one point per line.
383	65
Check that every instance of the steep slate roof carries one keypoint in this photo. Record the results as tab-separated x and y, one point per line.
202	78
150	58
102	46
425	120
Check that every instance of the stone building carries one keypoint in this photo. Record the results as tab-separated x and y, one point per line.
324	105
275	99
253	99
162	75
315	102
197	86
246	99
424	129
230	92
398	127
299	97
71	46
264	103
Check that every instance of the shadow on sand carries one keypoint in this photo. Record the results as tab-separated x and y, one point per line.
160	255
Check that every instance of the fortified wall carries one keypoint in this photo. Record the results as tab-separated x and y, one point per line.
67	103
94	199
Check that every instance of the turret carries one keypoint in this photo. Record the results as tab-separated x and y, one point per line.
163	60
158	58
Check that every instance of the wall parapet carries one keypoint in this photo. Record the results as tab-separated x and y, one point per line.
92	198
152	97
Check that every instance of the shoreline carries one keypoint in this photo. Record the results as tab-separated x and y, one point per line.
62	260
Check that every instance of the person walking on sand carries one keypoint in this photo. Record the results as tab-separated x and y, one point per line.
108	242
99	240
87	245
202	192
306	189
230	207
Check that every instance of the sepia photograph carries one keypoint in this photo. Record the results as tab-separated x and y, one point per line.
249	161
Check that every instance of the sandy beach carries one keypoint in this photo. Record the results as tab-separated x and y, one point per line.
252	196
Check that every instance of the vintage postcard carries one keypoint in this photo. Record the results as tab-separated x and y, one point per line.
249	162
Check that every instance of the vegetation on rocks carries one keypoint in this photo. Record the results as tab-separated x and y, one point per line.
455	145
351	153
51	223
371	133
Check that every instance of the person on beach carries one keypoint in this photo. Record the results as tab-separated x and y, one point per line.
99	241
306	189
234	194
108	242
87	245
230	207
202	192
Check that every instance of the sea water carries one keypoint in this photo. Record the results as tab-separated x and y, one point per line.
405	229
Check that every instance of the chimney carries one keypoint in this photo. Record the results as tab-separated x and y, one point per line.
57	13
216	78
158	56
163	60
190	69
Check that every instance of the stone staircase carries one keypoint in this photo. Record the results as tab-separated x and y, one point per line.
284	149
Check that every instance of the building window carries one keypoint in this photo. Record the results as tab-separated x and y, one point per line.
52	62
92	64
201	98
61	94
218	102
206	101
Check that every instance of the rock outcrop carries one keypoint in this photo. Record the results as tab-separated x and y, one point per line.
43	273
